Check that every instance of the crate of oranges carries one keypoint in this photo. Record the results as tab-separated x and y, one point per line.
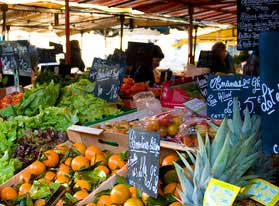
69	173
117	191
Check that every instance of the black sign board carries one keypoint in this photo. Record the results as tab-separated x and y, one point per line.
15	55
144	161
202	82
107	75
222	90
269	102
205	59
254	17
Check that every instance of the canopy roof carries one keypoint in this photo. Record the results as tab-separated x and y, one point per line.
38	15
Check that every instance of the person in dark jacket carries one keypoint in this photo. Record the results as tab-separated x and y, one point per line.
145	72
221	60
76	60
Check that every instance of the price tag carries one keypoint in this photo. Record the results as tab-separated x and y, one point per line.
263	192
144	161
219	193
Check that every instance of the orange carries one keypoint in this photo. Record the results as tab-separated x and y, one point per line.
133	202
98	157
24	177
91	152
37	168
60	178
133	191
64	169
169	159
61	148
91	204
104	200
170	188
24	189
40	202
175	204
120	194
79	195
82	184
115	162
8	193
105	169
68	161
52	158
80	147
79	162
49	176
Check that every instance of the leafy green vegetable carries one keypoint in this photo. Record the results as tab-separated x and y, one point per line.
94	177
8	166
40	97
39	190
8	112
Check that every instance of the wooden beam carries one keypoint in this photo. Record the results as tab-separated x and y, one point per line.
67	32
190	35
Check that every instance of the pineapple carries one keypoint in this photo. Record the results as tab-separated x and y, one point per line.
234	150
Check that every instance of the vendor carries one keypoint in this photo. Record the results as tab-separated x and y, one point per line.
144	72
76	60
221	60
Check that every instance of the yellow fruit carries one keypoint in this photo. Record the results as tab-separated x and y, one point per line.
98	157
133	202
61	178
175	204
8	193
52	158
49	176
79	162
169	159
24	189
144	197
24	177
133	191
120	194
79	195
115	162
91	204
103	168
80	147
68	161
91	151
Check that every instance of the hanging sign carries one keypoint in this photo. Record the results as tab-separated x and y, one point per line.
220	193
263	192
107	78
254	17
222	90
144	161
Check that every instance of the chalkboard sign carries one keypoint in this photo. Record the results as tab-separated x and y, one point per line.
202	82
269	102
222	90
205	59
108	80
15	55
254	17
144	161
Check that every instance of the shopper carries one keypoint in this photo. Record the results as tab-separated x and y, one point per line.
222	61
144	72
76	60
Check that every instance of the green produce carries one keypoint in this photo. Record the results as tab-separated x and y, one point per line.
83	86
38	98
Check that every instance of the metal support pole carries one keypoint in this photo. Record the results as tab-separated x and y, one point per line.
190	34
4	9
67	32
122	19
195	42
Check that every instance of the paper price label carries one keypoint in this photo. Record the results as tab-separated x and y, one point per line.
263	192
219	193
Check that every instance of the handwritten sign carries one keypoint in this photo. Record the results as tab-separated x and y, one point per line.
270	91
220	193
263	192
144	159
202	82
222	90
205	59
254	17
107	76
16	55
